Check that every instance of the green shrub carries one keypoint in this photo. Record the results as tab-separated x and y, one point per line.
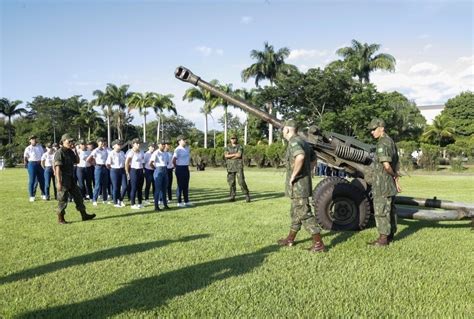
219	157
275	154
456	164
12	154
249	151
259	155
430	157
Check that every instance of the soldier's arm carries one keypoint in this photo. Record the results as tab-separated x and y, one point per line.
388	168
127	166
299	163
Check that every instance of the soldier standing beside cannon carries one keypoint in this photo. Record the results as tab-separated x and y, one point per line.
233	155
385	184
300	160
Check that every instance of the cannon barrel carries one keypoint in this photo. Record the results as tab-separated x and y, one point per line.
433	203
186	75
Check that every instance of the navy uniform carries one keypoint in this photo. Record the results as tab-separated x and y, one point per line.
385	183
233	154
64	160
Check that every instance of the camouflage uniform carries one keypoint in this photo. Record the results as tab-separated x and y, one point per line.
235	167
300	191
65	159
384	188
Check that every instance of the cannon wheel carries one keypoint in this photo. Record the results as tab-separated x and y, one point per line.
340	205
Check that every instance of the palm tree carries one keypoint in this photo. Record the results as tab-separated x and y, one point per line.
160	103
141	102
227	88
269	66
441	130
78	105
10	109
360	60
210	102
118	95
86	117
247	95
101	100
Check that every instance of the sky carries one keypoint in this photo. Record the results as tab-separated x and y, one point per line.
65	48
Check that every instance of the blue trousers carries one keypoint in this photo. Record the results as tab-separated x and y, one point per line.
170	182
182	178
119	184
161	182
48	178
101	177
35	173
84	180
136	185
149	183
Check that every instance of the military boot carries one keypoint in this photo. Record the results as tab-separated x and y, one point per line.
85	216
318	245
289	240
247	198
382	241
61	219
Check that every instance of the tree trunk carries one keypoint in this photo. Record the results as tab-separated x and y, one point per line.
108	127
89	134
205	131
158	126
144	126
270	126
225	126
9	130
246	130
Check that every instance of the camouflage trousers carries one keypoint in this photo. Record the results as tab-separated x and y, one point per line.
70	188
301	214
241	178
385	215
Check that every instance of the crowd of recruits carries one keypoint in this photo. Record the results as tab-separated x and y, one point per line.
100	171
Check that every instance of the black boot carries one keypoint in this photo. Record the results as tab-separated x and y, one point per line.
157	208
85	216
247	198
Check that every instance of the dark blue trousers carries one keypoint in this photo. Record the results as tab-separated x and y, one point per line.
149	183
136	185
35	173
84	180
182	178
161	182
119	184
101	177
48	180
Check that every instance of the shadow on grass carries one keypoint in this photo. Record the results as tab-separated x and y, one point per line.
153	292
96	256
415	225
213	196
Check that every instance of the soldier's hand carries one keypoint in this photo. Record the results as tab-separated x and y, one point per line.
399	188
128	177
59	187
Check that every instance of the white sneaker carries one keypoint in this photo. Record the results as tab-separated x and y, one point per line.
118	205
181	205
140	206
122	204
135	206
188	204
146	203
94	203
160	202
43	197
32	199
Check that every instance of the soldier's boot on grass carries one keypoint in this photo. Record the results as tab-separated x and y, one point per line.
382	241
232	196
289	240
390	238
318	245
247	198
61	219
85	216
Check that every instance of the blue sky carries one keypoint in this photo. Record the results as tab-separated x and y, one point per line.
64	48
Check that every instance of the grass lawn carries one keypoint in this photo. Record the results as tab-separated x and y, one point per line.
219	259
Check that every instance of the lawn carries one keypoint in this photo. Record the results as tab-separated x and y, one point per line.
219	259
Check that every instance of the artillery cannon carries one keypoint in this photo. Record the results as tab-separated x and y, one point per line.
341	204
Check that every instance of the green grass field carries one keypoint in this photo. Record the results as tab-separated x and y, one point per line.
219	259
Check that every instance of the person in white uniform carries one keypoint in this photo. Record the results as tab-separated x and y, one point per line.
32	161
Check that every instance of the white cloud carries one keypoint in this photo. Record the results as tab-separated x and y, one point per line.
423	36
207	51
304	54
246	20
428	46
424	67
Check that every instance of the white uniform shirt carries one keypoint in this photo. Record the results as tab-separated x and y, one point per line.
116	159
159	158
182	156
138	159
100	155
83	155
170	160
147	159
33	153
48	159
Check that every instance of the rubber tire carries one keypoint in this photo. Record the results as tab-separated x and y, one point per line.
332	180
345	195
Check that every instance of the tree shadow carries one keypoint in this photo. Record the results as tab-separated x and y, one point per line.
96	256
153	292
210	196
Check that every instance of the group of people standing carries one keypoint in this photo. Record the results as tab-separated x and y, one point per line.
99	171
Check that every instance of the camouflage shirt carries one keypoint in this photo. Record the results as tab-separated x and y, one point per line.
302	187
65	158
386	151
234	165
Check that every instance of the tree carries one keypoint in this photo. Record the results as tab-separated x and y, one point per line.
226	88
86	117
360	60
461	110
118	95
101	101
10	109
142	101
441	132
162	102
269	66
210	102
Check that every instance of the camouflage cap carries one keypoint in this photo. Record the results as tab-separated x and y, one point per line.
49	145
55	145
32	137
136	141
100	139
291	123
376	122
152	145
81	141
117	142
66	137
181	137
233	136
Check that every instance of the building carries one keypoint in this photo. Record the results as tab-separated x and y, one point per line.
430	111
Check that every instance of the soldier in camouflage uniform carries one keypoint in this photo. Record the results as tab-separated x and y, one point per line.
300	159
64	160
233	155
385	183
